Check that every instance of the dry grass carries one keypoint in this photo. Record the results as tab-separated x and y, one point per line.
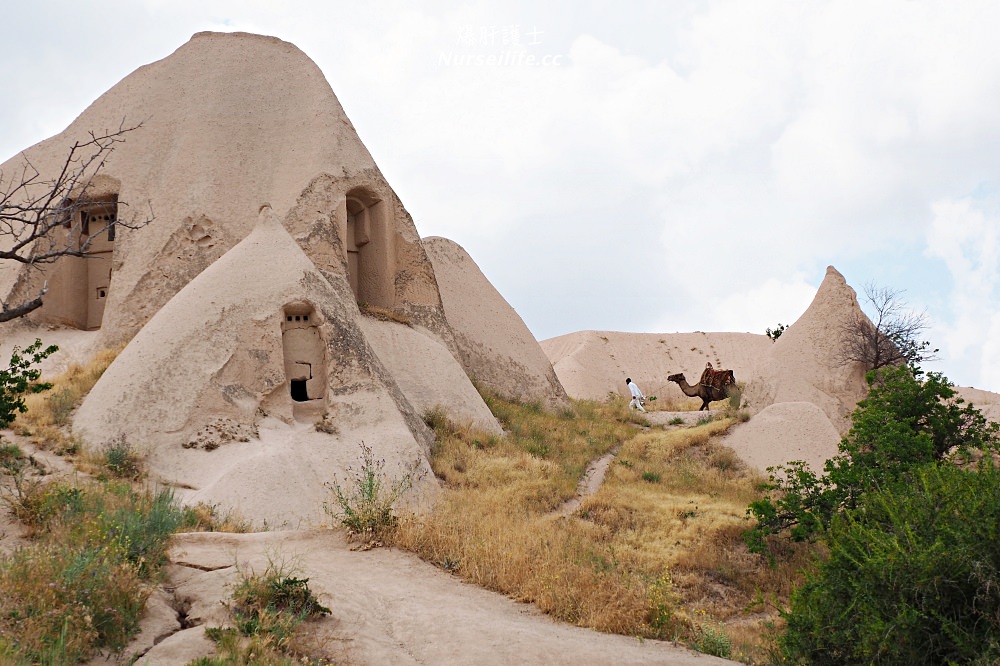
49	413
208	518
656	552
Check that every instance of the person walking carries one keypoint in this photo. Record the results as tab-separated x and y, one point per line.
637	397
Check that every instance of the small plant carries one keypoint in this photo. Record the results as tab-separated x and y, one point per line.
725	459
676	421
437	420
365	506
267	611
204	517
776	332
663	600
274	603
61	404
735	397
121	459
651	477
11	458
710	638
24	497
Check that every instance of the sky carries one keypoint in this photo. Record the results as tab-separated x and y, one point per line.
641	166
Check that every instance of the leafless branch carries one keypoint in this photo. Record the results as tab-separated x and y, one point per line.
34	209
891	336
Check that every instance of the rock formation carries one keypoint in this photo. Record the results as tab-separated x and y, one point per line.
281	307
504	359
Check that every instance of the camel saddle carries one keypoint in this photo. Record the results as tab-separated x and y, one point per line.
717	379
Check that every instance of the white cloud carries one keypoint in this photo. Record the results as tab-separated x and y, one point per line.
967	240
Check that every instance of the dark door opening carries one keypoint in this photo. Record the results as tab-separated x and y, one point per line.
299	392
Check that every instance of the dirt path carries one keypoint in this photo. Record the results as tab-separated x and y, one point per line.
591	481
593	477
389	607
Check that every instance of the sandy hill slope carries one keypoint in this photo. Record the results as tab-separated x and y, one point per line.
496	348
800	395
590	364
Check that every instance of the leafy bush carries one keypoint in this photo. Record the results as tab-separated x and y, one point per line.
20	378
906	421
776	332
913	577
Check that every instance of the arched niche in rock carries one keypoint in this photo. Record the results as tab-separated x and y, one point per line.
370	259
78	287
304	352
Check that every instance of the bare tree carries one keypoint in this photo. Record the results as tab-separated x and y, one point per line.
891	336
38	220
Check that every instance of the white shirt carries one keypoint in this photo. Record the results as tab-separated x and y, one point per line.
636	393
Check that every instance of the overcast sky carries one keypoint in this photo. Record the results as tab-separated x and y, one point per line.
632	165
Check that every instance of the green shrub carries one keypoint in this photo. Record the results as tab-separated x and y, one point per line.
775	333
365	506
121	459
711	638
267	609
140	525
134	524
906	421
913	577
20	378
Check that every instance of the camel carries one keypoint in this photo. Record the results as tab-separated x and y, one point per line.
706	393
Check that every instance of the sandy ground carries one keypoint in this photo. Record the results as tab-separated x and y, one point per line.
388	608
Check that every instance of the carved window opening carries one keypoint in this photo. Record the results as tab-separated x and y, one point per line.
304	353
367	245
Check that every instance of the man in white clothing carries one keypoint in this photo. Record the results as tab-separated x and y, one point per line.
637	397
